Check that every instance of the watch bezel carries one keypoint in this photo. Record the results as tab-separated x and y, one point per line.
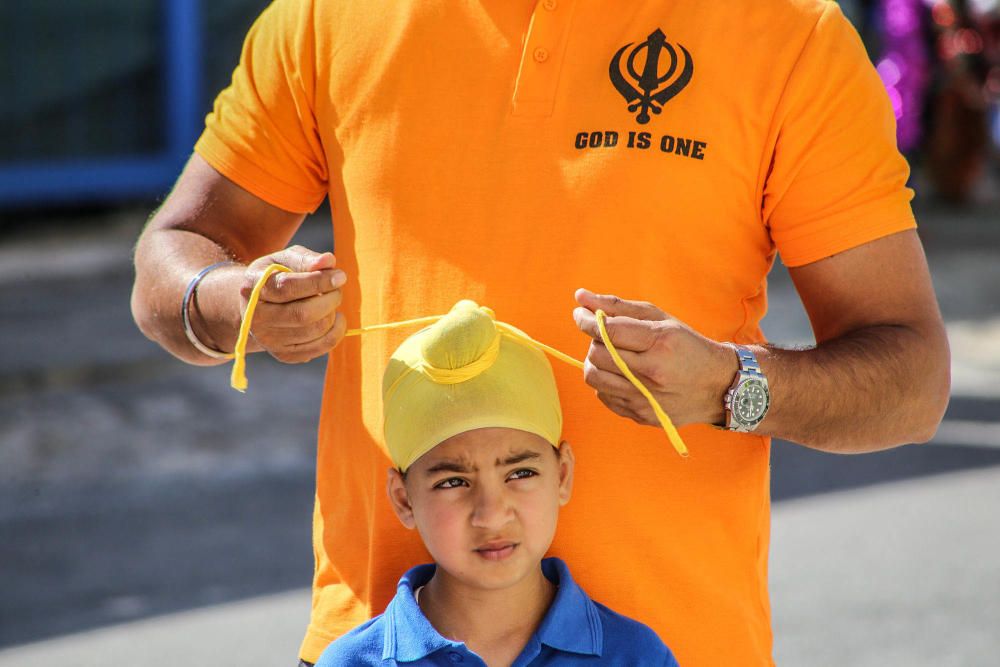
735	420
743	388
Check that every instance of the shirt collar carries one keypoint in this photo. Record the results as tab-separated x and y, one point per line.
571	624
409	636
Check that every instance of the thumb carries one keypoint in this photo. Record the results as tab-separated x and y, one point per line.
303	260
615	306
587	299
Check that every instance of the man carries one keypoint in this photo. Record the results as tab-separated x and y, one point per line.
512	152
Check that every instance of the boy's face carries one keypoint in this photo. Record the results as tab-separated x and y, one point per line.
486	503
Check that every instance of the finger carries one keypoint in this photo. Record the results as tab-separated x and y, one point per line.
614	390
608	382
286	337
626	333
297	314
288	287
307	351
621	409
641	365
637	412
301	259
615	306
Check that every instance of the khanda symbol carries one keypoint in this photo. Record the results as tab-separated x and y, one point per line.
649	96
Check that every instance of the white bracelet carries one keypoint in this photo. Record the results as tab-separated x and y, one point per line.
185	305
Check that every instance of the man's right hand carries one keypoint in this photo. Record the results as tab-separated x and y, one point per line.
296	319
209	219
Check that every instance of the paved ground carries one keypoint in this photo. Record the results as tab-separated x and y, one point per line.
125	513
898	574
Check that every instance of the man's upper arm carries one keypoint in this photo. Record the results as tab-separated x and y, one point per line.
205	202
883	282
263	133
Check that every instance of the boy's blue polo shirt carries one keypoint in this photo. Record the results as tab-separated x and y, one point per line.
575	631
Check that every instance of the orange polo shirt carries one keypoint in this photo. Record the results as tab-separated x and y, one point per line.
512	151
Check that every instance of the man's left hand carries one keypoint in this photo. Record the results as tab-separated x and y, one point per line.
686	372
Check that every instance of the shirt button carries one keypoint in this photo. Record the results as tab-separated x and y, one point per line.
455	657
550	5
540	55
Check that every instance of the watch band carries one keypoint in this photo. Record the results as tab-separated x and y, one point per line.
748	361
749	371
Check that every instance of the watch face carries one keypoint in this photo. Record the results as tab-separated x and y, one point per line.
750	402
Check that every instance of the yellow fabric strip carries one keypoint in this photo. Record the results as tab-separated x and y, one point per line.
664	419
393	325
238	378
562	356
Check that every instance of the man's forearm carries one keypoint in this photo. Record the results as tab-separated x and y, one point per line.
870	389
206	219
878	377
166	260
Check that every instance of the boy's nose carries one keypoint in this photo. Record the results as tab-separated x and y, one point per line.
491	510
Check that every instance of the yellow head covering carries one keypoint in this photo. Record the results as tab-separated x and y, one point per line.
462	373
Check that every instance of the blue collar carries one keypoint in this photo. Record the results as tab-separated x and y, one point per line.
571	624
409	636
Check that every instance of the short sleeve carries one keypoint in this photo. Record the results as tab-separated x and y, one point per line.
262	132
837	179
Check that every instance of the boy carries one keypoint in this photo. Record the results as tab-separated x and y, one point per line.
472	421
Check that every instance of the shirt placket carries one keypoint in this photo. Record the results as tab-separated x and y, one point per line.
542	58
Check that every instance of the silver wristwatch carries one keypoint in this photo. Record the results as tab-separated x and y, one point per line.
748	398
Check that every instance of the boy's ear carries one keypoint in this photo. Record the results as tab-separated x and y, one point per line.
567	463
399	498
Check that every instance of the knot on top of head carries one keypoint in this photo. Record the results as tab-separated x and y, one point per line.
461	345
464	372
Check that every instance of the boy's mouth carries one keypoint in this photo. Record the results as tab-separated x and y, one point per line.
497	550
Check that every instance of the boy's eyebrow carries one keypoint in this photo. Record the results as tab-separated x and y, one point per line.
518	457
456	465
447	466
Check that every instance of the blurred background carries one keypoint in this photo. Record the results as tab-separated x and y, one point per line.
149	513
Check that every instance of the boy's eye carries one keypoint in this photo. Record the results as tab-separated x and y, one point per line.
523	473
451	483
